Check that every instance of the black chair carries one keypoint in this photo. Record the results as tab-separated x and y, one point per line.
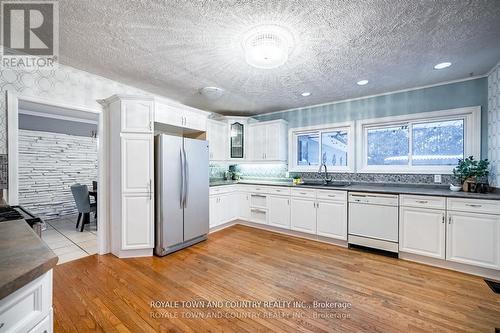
82	200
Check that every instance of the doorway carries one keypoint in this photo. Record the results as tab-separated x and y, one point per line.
52	146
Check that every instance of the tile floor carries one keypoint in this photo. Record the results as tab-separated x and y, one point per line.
68	242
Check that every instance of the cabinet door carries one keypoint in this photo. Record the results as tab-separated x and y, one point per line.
137	116
167	114
244	206
303	215
195	121
473	239
217	140
332	219
258	142
137	221
279	211
272	145
214	211
422	231
225	204
137	163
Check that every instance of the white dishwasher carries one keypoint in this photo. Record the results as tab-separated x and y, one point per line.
374	220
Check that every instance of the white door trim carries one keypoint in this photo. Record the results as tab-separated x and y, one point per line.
13	98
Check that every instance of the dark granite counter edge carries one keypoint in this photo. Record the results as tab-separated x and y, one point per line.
29	254
427	190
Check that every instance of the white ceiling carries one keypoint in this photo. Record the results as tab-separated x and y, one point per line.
173	48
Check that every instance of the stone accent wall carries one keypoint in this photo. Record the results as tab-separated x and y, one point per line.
49	163
494	124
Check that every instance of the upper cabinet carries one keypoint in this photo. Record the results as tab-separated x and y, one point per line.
217	140
268	141
237	137
180	116
137	116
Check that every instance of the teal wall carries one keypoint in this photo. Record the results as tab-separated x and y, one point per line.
448	96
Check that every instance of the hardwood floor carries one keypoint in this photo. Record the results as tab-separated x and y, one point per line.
107	294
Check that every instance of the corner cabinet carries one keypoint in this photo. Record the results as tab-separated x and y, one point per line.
268	141
131	166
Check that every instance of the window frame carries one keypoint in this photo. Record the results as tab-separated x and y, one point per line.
294	133
472	138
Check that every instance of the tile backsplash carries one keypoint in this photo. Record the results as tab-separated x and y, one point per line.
278	172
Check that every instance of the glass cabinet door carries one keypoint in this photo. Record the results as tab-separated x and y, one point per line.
237	140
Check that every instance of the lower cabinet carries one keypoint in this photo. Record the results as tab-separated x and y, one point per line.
137	212
303	215
473	239
28	309
331	219
222	209
279	211
422	231
244	205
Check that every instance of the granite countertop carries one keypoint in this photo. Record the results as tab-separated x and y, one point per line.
23	256
434	190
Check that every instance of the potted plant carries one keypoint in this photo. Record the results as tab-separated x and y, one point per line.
469	169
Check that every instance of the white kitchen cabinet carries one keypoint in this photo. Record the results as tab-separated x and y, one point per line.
303	215
217	140
268	141
422	231
137	162
244	205
29	308
279	211
214	213
136	115
473	239
137	212
222	209
131	161
180	116
332	219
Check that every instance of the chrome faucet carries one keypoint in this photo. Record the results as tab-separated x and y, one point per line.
326	180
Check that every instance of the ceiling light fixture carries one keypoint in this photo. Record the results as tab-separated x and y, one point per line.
212	92
442	65
306	93
267	46
362	82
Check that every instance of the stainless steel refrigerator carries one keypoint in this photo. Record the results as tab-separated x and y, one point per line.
181	202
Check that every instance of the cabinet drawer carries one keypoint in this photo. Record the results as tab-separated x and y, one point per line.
422	201
23	309
222	189
259	189
332	195
474	205
303	192
45	326
279	190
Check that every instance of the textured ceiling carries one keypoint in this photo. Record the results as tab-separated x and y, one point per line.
173	48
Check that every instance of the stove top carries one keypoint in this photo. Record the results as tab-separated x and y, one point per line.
8	213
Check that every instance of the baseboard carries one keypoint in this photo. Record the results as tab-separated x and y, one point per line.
133	253
454	266
468	269
317	238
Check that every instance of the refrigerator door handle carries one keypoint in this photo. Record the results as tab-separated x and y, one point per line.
182	179
185	182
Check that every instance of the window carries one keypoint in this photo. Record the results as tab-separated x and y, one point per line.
388	145
438	143
431	142
329	145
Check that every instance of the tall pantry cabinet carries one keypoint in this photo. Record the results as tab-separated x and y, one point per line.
131	164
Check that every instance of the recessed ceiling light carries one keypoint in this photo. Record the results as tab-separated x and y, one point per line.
306	93
267	46
362	82
442	65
